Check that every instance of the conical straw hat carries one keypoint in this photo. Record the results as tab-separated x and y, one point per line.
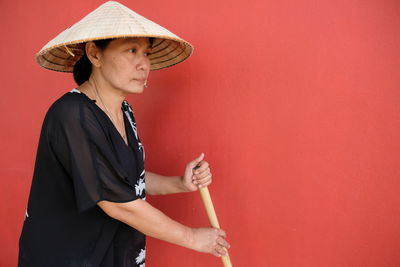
112	20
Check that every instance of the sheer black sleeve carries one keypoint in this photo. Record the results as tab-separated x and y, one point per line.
81	145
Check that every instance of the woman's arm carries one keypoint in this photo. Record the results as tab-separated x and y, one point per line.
157	184
142	216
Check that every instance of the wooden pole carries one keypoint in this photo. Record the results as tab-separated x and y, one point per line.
212	217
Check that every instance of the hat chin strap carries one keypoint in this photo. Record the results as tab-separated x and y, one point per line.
68	51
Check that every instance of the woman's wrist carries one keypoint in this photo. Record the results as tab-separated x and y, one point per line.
181	185
188	238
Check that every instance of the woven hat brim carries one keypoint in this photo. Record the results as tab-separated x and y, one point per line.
165	52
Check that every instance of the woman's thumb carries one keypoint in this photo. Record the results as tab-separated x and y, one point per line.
198	159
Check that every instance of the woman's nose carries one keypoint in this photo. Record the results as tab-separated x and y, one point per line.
144	63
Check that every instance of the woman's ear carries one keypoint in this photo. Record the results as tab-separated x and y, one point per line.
93	53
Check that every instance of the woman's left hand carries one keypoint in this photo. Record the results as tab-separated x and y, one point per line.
199	177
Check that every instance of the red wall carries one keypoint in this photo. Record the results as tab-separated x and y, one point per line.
295	104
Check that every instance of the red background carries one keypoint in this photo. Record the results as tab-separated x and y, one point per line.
294	103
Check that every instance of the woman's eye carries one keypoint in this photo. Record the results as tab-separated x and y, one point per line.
132	50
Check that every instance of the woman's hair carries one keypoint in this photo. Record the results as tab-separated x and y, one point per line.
83	67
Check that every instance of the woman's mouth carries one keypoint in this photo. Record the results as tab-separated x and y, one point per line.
140	80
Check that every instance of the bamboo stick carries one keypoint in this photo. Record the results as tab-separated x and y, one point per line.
212	216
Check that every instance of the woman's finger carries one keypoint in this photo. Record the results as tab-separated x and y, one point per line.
196	162
221	232
220	250
222	242
215	253
202	166
204	180
202	174
205	184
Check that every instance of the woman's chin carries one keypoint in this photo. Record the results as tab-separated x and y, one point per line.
135	90
139	90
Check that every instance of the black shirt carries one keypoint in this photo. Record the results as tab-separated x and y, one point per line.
82	159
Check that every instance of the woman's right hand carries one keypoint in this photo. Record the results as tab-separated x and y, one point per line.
209	240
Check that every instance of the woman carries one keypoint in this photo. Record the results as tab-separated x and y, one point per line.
87	202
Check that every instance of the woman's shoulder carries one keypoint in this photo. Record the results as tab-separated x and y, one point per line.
67	107
72	97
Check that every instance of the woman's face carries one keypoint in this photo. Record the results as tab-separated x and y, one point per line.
124	64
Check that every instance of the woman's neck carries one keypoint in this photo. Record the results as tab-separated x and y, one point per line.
109	99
